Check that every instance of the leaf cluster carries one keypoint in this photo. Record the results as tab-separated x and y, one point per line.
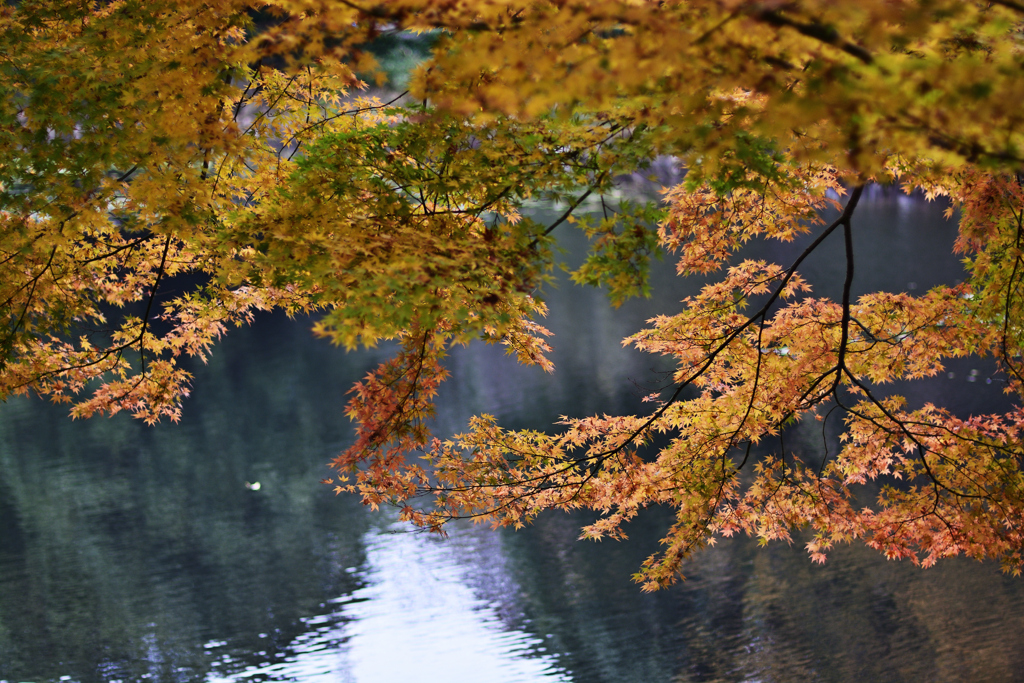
168	172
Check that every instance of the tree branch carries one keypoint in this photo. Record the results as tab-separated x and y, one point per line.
845	324
820	32
1010	4
572	207
149	304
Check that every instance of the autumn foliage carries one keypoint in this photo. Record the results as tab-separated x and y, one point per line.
169	170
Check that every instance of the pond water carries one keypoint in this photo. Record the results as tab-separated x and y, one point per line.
130	553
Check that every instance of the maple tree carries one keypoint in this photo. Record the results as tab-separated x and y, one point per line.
169	171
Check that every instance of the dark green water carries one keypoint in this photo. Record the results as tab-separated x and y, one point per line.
130	553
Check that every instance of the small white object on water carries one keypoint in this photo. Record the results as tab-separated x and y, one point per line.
255	486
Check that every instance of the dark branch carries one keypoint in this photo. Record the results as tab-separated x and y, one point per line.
149	304
848	240
820	32
1010	4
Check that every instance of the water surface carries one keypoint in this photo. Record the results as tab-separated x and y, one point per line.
130	553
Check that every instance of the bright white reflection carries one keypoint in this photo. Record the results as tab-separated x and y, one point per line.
418	619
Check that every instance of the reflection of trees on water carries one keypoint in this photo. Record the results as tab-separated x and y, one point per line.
124	548
762	614
748	613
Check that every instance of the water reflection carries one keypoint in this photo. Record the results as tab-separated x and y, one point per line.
419	599
418	617
137	554
124	549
